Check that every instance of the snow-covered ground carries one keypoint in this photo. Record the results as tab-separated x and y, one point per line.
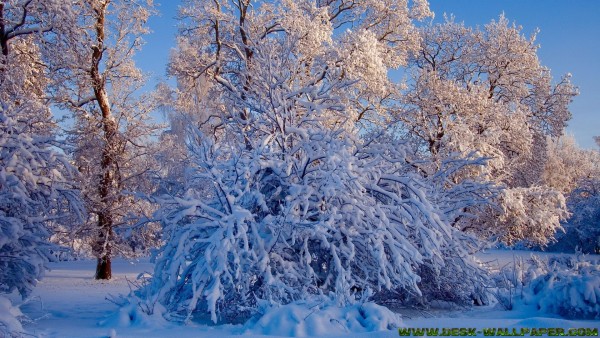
70	303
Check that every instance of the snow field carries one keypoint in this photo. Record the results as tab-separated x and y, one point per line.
70	303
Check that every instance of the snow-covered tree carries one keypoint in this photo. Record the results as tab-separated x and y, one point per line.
380	38
576	172
485	91
21	18
287	196
567	164
37	195
582	229
23	26
94	76
328	216
36	190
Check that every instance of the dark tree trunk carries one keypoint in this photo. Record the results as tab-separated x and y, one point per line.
103	243
103	268
3	36
110	175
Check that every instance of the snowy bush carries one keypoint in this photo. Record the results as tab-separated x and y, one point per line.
458	282
10	319
572	292
582	229
34	191
512	279
279	231
301	319
328	219
131	314
564	285
509	281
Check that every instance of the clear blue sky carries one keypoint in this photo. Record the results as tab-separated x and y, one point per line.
569	38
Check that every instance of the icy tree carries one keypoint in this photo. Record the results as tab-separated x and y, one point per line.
574	172
485	91
93	75
285	199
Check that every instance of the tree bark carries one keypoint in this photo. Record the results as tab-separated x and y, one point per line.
107	163
104	269
3	36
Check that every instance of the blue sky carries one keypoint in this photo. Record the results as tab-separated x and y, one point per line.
569	38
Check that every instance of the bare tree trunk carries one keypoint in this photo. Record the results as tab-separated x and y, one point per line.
110	175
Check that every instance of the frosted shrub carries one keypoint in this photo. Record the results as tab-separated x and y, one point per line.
459	282
573	293
34	195
302	319
512	279
582	232
328	219
567	286
279	231
10	319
